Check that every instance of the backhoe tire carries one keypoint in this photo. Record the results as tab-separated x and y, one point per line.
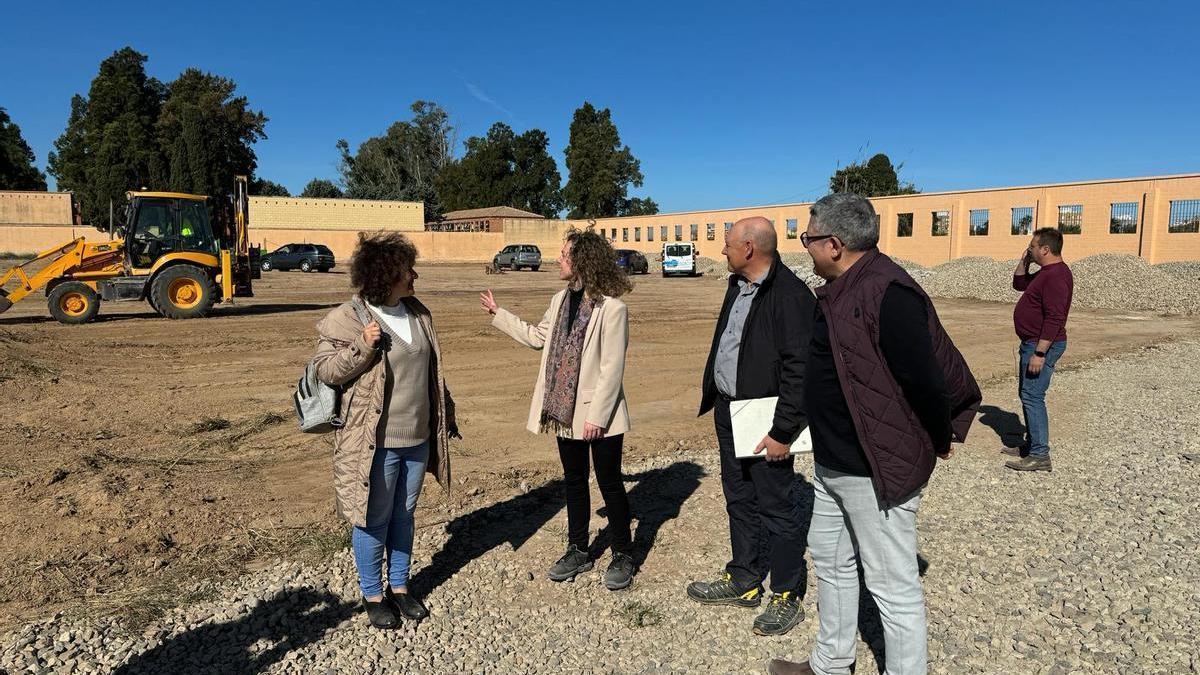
183	292
73	302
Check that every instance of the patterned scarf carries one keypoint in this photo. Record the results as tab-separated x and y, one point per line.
562	367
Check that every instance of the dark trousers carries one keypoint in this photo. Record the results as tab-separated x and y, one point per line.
606	454
764	515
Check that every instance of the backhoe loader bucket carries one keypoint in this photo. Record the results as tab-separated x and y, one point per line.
5	303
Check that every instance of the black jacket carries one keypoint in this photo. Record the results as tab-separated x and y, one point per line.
774	350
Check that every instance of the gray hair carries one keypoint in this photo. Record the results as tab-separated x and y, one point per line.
849	217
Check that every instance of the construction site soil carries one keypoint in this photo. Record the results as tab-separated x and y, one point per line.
142	453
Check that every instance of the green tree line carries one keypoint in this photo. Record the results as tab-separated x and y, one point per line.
195	133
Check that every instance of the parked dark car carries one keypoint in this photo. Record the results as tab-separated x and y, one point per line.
303	257
633	262
516	256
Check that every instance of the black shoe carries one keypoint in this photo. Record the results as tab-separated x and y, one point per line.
408	606
381	614
573	562
782	614
620	572
723	592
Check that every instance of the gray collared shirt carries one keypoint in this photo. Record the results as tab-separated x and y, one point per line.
726	362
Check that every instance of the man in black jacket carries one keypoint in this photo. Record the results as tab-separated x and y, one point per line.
759	350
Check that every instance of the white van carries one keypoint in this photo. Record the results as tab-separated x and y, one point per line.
679	258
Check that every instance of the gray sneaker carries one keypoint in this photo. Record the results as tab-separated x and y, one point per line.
782	614
620	572
573	562
1030	464
723	592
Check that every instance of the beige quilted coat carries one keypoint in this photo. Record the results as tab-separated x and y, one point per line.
344	359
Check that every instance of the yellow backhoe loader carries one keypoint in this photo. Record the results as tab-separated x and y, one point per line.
182	253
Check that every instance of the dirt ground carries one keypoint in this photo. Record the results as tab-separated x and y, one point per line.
140	452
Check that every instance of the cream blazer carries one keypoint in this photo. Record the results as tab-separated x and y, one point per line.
601	396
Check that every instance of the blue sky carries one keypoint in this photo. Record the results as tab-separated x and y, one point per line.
725	104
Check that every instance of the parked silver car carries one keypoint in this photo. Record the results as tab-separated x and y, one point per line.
518	256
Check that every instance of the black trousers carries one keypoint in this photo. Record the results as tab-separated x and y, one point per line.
765	526
606	453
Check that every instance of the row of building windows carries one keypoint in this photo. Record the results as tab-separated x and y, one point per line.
694	232
1123	219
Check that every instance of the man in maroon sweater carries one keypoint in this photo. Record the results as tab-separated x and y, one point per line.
1040	319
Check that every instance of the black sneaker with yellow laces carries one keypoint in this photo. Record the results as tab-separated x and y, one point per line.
724	592
782	614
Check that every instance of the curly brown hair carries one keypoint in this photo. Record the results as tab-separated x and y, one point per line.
381	260
594	263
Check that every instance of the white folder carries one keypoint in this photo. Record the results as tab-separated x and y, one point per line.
752	418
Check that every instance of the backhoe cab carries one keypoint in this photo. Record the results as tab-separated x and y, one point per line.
181	252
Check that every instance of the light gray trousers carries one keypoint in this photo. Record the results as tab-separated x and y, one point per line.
849	527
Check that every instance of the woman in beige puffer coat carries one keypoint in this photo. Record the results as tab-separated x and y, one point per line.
398	415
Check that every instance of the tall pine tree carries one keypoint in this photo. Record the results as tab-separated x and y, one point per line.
133	132
600	169
17	169
206	133
109	145
503	169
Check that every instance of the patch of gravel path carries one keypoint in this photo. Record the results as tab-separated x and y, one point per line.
1091	568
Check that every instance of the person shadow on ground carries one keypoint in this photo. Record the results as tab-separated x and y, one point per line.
1007	425
289	621
513	521
657	497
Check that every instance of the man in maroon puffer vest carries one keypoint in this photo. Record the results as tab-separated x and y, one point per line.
886	392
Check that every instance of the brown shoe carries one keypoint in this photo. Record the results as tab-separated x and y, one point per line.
781	667
1013	452
1029	464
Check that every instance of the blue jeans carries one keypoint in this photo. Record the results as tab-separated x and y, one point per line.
396	476
1032	390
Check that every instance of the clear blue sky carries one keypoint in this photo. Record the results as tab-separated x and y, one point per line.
725	104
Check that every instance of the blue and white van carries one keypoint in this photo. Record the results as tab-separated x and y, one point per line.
679	259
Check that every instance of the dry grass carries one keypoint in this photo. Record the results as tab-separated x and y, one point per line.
638	615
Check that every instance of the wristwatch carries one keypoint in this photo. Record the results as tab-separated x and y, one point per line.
1040	355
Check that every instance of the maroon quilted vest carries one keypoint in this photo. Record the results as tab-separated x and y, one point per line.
896	445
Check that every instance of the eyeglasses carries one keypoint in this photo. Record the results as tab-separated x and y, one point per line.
806	238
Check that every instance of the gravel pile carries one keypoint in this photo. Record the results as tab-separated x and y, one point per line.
1111	281
1189	270
977	278
1105	281
1091	568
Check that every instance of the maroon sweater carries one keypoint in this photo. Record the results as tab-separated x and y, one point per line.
1041	313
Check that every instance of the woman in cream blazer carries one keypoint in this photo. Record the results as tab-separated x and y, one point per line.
578	395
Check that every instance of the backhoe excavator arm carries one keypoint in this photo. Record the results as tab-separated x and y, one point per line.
76	256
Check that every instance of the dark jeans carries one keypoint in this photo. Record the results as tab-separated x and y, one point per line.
1032	390
765	521
606	453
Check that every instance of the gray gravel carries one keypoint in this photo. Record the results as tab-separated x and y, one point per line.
1105	281
1091	568
1187	270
